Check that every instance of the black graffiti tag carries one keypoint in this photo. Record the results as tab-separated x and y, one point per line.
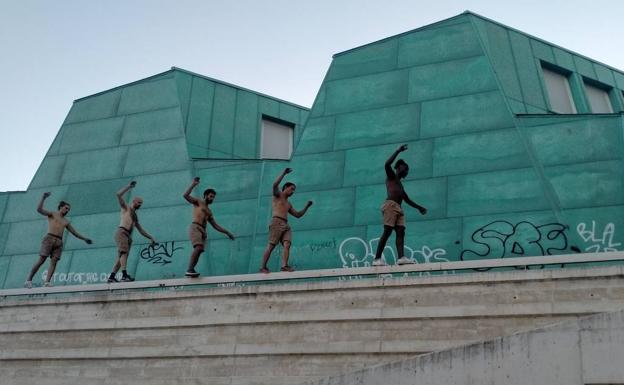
159	254
500	239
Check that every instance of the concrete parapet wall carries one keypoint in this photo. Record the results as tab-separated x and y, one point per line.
283	333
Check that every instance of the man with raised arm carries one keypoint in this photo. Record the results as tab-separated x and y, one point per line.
197	230
52	243
279	230
393	216
123	236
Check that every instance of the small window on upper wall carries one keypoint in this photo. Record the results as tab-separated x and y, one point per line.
559	92
599	100
277	139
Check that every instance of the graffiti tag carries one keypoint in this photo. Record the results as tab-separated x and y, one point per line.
598	242
159	254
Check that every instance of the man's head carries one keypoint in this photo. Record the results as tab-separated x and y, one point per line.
209	195
289	188
402	169
64	207
137	202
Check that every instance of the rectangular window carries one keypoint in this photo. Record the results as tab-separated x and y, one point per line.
277	140
598	99
559	92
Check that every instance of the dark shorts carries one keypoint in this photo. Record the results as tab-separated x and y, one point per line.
51	246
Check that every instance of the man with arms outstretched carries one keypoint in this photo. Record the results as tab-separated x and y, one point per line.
197	230
123	236
393	216
279	230
52	243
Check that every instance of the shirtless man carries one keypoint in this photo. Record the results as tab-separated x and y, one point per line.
52	243
393	217
197	230
279	231
123	236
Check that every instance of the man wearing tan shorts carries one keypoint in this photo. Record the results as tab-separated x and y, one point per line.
279	230
123	236
197	229
52	243
393	215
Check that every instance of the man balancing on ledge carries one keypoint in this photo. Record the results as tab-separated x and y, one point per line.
197	230
123	236
279	230
393	216
52	243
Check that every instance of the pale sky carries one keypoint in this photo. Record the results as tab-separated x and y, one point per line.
56	51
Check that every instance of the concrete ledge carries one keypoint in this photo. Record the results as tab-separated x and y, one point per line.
478	265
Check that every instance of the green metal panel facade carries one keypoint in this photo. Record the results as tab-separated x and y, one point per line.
500	174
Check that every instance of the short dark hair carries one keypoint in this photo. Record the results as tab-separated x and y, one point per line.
401	162
209	190
288	184
63	203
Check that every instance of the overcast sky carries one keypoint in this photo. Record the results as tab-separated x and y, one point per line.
56	51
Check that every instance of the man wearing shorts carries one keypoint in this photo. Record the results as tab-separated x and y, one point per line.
279	230
52	243
393	216
197	230
123	235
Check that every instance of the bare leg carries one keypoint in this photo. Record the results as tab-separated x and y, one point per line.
117	264
400	240
266	255
286	253
197	250
382	241
36	267
51	269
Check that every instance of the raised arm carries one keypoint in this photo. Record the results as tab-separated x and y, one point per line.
187	194
40	208
415	205
299	214
220	229
388	166
71	229
144	233
278	180
122	192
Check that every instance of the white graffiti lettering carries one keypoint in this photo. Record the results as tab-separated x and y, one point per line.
598	243
76	278
355	252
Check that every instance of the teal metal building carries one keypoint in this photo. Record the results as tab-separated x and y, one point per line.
515	148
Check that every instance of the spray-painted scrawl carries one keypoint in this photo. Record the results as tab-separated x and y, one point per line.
597	241
356	252
500	239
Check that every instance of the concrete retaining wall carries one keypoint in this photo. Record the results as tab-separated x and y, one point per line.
286	333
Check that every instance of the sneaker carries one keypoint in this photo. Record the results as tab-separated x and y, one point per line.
379	262
405	261
287	268
47	284
264	270
112	280
191	273
127	278
28	284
